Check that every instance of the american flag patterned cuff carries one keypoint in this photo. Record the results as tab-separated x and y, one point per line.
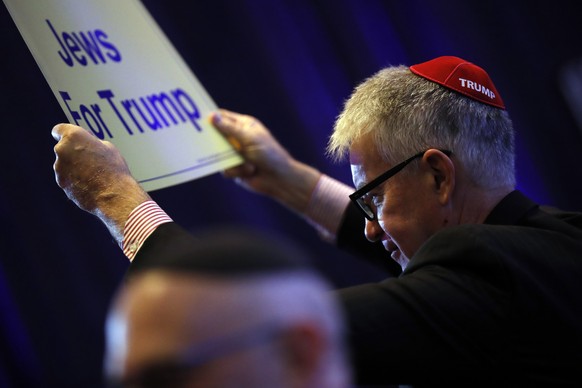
142	221
327	206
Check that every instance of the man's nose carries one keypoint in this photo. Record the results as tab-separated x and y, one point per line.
373	231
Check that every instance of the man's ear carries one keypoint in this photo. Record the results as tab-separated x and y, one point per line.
443	171
304	346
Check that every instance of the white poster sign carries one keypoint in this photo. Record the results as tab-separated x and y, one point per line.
114	73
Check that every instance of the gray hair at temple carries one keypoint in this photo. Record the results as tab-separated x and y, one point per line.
406	114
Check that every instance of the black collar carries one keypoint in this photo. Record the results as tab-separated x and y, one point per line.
511	209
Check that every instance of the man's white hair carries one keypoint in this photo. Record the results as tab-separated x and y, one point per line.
406	114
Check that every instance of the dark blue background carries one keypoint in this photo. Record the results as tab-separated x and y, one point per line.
291	63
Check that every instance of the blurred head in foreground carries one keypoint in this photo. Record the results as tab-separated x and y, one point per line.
236	309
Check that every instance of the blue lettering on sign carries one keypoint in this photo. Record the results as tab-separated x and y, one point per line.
84	48
154	112
90	114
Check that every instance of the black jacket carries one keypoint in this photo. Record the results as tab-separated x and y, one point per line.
497	304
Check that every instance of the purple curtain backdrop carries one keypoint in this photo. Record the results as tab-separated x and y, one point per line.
291	63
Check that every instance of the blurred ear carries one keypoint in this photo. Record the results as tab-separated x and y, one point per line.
442	169
304	345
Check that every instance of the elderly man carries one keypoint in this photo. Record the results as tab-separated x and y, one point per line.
488	290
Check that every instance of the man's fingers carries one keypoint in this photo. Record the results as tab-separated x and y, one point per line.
244	170
230	123
61	130
217	118
227	124
58	131
224	122
229	115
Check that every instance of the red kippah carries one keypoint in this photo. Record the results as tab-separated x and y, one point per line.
461	76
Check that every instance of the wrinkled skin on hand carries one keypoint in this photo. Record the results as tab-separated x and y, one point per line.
94	175
265	159
268	168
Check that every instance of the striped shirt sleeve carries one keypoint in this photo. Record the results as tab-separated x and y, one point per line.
142	221
327	205
324	212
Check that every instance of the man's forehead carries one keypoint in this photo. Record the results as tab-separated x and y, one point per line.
361	149
365	153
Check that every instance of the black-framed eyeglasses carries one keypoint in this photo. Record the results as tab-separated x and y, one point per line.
360	196
176	372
